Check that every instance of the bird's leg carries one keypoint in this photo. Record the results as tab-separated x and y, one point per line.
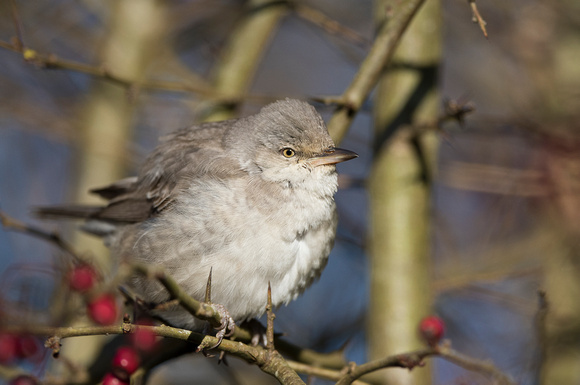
257	331
226	321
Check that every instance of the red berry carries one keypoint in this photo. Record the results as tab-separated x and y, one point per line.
103	309
28	346
125	362
431	329
82	278
23	380
143	339
111	379
8	348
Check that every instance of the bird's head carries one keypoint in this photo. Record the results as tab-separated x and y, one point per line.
286	142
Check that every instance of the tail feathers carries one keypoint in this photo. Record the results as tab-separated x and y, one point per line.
69	211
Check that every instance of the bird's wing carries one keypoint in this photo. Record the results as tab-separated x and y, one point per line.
182	155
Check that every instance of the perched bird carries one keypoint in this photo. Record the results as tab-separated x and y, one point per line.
252	199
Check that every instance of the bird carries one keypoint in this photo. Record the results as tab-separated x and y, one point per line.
249	199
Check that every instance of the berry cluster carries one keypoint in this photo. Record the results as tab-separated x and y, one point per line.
102	307
127	358
15	347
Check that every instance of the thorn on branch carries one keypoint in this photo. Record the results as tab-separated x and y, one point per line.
208	287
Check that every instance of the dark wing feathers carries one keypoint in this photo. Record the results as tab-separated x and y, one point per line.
116	189
165	173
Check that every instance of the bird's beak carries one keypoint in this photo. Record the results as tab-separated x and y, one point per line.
333	156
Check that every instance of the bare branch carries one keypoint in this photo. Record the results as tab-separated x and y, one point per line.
331	26
407	360
15	225
17	25
480	366
477	17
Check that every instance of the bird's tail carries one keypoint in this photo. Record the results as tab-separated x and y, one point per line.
66	211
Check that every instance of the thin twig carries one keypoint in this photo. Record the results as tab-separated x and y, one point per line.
331	26
15	225
406	360
328	374
51	61
476	17
486	368
17	25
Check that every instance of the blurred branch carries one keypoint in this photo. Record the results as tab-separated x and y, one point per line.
51	61
400	190
480	366
413	359
330	26
12	224
407	360
17	25
334	375
271	361
389	34
541	336
243	53
477	17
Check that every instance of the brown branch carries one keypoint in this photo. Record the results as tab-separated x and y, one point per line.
51	61
17	24
407	360
381	52
331	360
201	310
476	17
331	26
12	224
475	365
413	359
270	362
328	374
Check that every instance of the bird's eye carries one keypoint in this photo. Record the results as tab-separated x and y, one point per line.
288	152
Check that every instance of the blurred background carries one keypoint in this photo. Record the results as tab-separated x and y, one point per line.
500	217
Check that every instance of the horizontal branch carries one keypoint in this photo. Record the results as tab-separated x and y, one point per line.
51	61
270	362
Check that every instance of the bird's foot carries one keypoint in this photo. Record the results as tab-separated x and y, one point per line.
226	328
257	331
227	323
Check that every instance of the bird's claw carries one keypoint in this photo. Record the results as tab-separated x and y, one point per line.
227	323
257	331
